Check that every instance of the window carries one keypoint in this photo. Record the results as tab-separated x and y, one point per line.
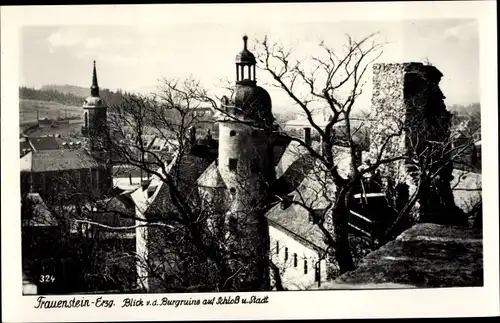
277	247
232	133
42	181
305	267
254	165
232	190
317	273
233	163
295	260
232	226
286	254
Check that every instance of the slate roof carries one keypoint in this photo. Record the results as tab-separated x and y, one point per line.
211	177
61	159
123	171
44	143
315	191
186	169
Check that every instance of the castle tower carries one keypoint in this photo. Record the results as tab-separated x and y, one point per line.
246	165
95	118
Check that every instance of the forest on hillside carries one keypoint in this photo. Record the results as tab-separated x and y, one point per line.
70	95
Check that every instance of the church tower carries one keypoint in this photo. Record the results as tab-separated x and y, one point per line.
97	132
95	118
246	165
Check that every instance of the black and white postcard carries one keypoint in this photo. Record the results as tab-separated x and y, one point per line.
249	161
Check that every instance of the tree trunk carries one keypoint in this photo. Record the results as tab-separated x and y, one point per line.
342	247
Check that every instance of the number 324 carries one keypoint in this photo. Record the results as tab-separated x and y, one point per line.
47	278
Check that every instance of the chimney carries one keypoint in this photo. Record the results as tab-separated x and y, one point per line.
192	135
307	136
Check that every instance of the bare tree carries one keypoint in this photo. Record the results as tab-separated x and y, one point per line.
334	80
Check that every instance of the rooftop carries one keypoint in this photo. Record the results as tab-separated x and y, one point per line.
61	159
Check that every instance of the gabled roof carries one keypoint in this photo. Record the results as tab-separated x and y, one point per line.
61	159
316	190
185	169
295	221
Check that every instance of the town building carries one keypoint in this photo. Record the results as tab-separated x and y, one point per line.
56	225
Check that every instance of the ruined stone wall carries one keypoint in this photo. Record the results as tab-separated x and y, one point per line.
408	107
387	120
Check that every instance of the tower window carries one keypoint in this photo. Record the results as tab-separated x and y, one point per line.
232	225
232	133
232	190
286	254
305	267
295	260
254	165
233	163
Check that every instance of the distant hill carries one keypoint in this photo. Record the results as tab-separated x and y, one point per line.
78	91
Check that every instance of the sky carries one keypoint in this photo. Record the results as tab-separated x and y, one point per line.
135	57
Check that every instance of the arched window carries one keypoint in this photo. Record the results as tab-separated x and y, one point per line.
295	260
305	267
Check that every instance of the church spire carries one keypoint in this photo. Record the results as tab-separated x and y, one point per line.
94	89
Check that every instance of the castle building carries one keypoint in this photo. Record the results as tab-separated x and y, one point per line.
238	178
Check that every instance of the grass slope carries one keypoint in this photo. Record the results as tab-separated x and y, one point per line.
47	109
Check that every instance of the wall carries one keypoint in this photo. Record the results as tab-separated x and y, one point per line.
293	278
389	115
